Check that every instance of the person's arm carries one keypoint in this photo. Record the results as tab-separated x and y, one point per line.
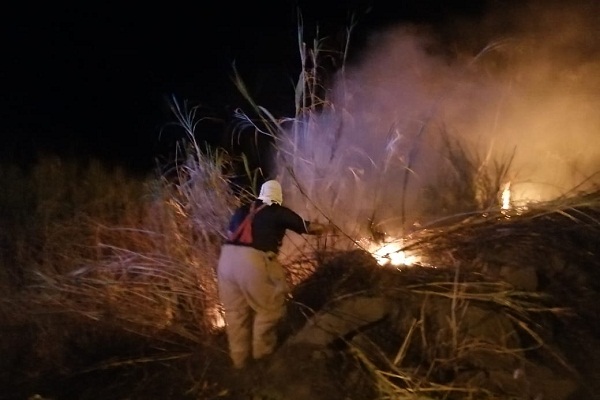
299	225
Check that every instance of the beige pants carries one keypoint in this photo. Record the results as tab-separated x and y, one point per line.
252	289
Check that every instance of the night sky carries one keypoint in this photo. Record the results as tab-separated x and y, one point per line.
95	81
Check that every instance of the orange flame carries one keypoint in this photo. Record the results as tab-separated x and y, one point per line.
390	253
506	197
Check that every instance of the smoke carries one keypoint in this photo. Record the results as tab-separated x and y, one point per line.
522	81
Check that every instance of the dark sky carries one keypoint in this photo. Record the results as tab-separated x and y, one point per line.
94	80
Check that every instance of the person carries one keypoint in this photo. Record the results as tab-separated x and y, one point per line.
251	282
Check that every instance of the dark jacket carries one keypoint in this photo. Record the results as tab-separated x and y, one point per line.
269	225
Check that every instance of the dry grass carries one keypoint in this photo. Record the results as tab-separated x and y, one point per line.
108	267
459	328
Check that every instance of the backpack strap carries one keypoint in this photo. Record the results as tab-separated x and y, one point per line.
243	233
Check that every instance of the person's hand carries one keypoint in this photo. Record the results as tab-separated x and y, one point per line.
317	228
330	227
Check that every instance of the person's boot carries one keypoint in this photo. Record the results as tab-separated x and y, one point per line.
241	378
258	370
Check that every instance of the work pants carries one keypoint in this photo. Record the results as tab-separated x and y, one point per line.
252	289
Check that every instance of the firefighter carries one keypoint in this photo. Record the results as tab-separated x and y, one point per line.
251	281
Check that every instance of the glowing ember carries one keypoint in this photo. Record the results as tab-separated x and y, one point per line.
390	253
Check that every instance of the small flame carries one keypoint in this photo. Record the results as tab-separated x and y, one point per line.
216	316
506	197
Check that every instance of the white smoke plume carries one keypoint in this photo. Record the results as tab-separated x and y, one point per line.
522	81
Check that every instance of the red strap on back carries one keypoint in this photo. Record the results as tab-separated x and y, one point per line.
243	233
